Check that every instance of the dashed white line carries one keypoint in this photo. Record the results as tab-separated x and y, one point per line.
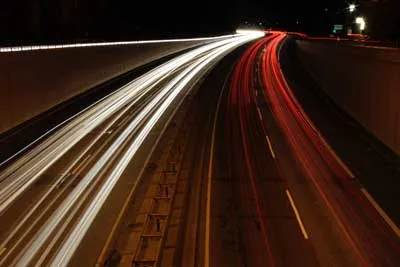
83	163
266	136
296	212
270	146
259	114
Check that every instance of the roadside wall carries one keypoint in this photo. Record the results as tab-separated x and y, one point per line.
364	81
32	82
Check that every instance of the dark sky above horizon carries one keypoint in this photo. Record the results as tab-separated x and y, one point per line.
225	14
47	20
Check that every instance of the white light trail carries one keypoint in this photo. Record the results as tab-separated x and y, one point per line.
104	44
21	175
255	33
64	255
24	172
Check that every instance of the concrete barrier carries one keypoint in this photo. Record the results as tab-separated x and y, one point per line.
364	81
32	82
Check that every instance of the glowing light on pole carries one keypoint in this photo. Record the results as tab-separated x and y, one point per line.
361	22
352	8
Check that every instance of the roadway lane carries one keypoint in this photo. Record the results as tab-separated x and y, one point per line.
60	199
185	235
280	194
371	239
252	219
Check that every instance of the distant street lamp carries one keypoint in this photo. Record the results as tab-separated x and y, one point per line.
352	8
361	22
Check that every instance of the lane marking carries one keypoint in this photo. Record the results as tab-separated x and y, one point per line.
381	212
259	114
209	176
123	121
2	250
296	212
102	257
270	146
339	160
266	136
82	164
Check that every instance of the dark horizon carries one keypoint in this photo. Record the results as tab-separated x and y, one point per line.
38	21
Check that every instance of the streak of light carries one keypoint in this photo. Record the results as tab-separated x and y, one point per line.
22	173
387	219
25	171
242	81
65	253
355	218
256	33
296	212
103	44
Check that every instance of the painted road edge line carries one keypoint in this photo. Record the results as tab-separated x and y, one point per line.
296	212
381	212
209	176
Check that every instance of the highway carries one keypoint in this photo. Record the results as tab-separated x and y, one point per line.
209	159
285	197
65	191
262	185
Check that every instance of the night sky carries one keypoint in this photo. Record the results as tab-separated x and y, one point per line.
28	21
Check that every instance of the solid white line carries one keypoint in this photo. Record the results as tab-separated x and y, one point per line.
381	212
122	121
296	212
81	164
209	176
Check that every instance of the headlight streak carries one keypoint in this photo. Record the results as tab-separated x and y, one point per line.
28	167
19	180
53	187
159	99
64	255
68	204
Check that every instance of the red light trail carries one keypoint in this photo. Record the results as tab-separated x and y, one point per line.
361	226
